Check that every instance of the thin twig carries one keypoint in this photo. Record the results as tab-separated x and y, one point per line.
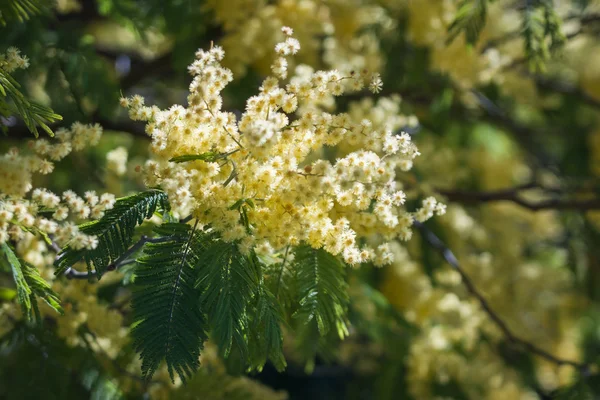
513	195
285	256
564	88
124	259
451	259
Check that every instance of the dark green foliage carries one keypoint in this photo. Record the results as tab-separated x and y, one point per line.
21	10
373	316
227	280
470	19
115	231
322	289
383	321
12	263
168	325
584	388
266	337
322	297
541	25
450	389
100	386
29	284
280	277
93	83
12	102
40	288
191	282
36	364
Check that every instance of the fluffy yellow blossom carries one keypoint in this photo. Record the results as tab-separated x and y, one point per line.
336	31
259	178
20	215
492	244
13	60
116	161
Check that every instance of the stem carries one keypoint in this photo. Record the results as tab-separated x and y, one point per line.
124	259
287	249
451	259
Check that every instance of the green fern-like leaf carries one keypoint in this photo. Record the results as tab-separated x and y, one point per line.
322	305
227	280
33	115
542	32
265	332
536	48
10	260
168	324
114	230
280	278
470	19
30	285
21	10
323	290
40	288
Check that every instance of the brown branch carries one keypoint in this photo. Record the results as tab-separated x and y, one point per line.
513	195
141	70
528	138
124	259
451	259
565	88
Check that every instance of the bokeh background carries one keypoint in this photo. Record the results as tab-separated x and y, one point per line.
504	106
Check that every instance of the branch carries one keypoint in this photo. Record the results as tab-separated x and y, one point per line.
450	258
512	195
565	88
71	273
134	128
141	70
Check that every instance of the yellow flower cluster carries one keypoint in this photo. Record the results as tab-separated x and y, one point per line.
116	161
533	295
105	324
259	179
82	309
342	33
212	381
67	6
19	215
428	25
497	56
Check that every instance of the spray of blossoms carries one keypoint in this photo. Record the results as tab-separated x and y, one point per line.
25	210
264	179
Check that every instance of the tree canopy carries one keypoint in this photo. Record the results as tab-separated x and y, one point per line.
362	199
